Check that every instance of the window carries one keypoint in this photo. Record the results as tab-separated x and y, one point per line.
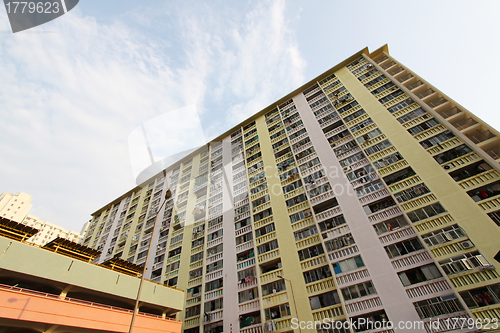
332	223
358	290
438	306
485	192
319	190
324	300
242	275
378	147
196	257
244	238
399	176
464	262
339	242
419	274
354	115
495	216
192	311
479	297
369	188
412	115
273	287
311	252
242	223
296	200
400	105
423	126
196	273
361	125
404	247
267	247
214	250
292	186
426	212
348	265
382	88
214	305
390	225
214	235
213	285
412	193
276	312
214	266
248	295
264	230
391	96
443	235
304	233
260	201
262	215
317	274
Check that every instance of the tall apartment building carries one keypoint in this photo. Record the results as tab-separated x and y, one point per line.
16	207
365	195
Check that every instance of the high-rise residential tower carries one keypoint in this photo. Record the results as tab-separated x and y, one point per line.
365	195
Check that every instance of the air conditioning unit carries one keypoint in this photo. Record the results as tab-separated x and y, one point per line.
347	168
448	166
467	244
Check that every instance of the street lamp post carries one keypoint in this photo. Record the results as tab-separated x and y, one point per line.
293	297
168	195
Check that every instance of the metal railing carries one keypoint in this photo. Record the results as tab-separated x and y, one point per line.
461	125
79	301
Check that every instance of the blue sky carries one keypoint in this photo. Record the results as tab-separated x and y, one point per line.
72	90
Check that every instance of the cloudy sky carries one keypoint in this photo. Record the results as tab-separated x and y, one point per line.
73	90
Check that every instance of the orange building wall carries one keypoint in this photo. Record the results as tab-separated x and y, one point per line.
44	308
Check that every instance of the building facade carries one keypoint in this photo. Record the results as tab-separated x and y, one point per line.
16	207
56	288
364	196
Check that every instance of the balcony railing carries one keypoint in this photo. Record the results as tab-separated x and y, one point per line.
450	112
480	137
75	300
425	93
406	77
461	125
495	153
414	85
437	102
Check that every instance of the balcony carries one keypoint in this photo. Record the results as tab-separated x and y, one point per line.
464	124
363	305
397	71
481	137
388	65
414	85
425	93
249	306
411	260
384	214
421	290
405	78
494	153
213	316
437	102
353	276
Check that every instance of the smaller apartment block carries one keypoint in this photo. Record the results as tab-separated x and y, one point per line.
58	288
366	195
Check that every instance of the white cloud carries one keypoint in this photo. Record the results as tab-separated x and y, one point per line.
70	99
